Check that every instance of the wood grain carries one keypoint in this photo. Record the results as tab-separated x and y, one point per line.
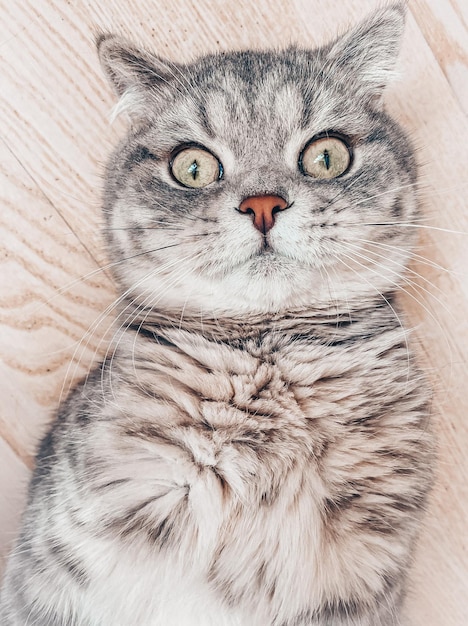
56	296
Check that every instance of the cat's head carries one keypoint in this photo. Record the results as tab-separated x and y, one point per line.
260	181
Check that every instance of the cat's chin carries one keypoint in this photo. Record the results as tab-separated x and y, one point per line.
263	280
269	263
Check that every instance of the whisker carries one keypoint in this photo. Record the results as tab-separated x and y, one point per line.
401	288
384	193
416	184
171	280
88	334
162	230
342	191
397	317
414	255
158	228
93	327
186	214
65	288
411	225
408	281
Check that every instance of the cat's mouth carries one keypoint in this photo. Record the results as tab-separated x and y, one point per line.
266	246
267	251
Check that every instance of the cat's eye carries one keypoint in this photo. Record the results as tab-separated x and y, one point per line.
195	167
325	157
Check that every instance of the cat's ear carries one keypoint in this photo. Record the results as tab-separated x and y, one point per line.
367	53
135	74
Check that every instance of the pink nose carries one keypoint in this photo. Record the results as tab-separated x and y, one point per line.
263	208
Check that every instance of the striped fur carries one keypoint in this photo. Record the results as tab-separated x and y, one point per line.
255	449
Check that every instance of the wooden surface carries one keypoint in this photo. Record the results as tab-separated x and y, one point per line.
55	135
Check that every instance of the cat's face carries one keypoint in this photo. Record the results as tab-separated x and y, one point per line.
260	181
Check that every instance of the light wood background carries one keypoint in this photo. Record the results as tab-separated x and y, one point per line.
55	135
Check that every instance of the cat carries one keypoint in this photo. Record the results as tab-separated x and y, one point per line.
255	449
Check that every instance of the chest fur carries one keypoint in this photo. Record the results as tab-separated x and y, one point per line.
295	470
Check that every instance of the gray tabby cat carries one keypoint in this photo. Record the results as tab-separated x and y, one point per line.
255	450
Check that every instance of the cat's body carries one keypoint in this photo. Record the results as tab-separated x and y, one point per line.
255	450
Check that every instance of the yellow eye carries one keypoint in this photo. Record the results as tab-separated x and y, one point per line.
327	157
195	167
